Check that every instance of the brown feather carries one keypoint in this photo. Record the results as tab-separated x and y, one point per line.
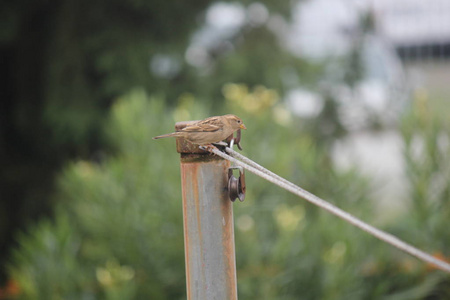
207	125
175	134
210	130
201	128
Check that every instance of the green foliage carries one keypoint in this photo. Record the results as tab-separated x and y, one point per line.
129	221
427	156
63	64
117	230
118	227
45	242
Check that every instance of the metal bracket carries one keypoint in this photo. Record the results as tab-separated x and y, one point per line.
236	186
231	140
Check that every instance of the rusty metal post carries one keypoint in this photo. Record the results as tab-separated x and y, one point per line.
208	224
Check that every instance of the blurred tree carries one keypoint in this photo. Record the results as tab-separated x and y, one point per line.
67	61
117	232
63	63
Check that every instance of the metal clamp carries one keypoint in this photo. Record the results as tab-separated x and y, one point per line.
231	140
236	186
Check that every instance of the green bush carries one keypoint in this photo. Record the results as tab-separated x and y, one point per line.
117	232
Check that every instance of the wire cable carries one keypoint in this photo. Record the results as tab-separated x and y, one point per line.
257	169
256	165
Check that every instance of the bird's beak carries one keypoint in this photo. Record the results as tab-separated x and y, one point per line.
242	126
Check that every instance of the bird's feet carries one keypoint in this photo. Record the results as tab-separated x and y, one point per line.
208	148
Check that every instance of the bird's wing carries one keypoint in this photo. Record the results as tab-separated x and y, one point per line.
207	125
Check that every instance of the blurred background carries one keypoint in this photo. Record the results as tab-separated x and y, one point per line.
346	98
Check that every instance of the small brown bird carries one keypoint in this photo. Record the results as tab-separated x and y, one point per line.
207	131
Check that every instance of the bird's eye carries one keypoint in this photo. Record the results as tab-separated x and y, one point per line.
239	121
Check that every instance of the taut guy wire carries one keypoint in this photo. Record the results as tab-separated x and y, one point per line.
257	169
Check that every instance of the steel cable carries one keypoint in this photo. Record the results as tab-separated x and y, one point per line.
259	170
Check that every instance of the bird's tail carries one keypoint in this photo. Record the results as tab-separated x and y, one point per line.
173	134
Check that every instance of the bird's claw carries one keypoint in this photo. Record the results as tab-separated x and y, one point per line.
208	148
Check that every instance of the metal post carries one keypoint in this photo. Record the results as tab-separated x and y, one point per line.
208	224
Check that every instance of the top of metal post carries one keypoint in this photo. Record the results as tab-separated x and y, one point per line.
185	147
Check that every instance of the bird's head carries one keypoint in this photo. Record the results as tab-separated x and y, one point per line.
235	122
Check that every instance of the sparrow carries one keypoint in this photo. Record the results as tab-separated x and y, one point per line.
208	131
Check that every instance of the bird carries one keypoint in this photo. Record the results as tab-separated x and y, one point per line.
210	130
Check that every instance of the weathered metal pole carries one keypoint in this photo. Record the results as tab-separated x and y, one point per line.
208	224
